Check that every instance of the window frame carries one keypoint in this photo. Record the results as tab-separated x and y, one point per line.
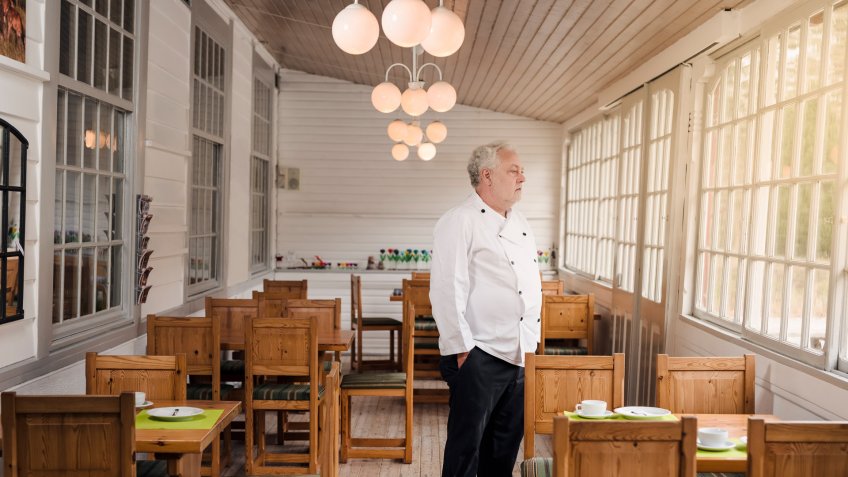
263	76
9	131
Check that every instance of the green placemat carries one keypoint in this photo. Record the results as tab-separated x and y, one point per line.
200	421
735	453
618	417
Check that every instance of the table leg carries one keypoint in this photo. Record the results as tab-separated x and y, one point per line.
182	465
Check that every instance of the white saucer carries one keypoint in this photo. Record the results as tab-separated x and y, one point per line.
144	405
605	415
726	446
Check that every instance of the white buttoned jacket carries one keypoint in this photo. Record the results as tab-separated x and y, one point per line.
484	282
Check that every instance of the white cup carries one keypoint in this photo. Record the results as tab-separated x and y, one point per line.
139	398
591	407
712	436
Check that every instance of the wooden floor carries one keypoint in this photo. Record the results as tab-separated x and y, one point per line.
383	417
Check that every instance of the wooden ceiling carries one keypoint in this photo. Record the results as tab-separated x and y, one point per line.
543	59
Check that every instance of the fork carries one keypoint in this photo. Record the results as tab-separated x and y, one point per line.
176	410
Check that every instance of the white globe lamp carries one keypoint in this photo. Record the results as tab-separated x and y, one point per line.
426	151
446	33
406	22
414	135
437	132
400	152
441	96
397	130
385	97
414	100
355	29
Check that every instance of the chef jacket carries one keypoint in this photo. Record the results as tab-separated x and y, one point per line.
485	287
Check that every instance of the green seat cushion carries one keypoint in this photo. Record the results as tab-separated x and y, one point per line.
566	350
151	468
203	391
380	321
374	381
425	323
283	392
426	344
537	467
232	367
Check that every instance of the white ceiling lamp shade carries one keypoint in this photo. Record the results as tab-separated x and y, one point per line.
446	33
414	134
400	152
385	97
441	96
426	151
397	130
406	23
436	132
414	100
355	29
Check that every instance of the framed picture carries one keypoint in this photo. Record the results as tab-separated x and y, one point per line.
13	29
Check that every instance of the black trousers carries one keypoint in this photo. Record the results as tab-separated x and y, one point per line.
486	419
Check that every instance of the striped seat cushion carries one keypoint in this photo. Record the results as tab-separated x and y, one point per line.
380	321
203	391
537	467
425	323
426	344
283	392
232	367
327	366
374	380
151	468
566	350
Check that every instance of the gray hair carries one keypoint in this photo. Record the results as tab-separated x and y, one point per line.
485	157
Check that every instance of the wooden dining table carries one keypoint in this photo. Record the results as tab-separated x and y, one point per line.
737	426
183	448
335	340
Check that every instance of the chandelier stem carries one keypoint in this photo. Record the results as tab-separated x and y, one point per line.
418	73
411	77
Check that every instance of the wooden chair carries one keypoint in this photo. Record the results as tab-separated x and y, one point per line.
200	340
329	428
552	287
232	313
632	448
291	288
797	449
706	385
71	436
420	275
286	348
12	267
553	384
160	377
271	304
363	324
567	317
378	384
328	314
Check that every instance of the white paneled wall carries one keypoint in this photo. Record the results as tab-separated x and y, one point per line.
354	199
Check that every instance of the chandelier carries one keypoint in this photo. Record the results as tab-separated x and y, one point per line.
408	24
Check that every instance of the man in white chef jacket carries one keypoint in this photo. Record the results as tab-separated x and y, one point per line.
487	296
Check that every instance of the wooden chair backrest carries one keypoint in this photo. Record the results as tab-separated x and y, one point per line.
417	293
330	443
420	275
355	300
797	449
71	436
553	384
568	317
291	288
232	312
706	385
328	313
160	377
271	304
634	448
552	287
282	348
199	338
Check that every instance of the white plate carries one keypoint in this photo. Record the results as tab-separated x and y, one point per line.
605	415
642	412
144	405
174	413
726	446
743	442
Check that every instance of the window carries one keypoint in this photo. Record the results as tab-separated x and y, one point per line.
627	197
259	174
592	182
13	153
94	105
204	240
769	186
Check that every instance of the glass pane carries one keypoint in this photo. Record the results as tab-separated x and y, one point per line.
710	158
117	270
102	279
838	37
101	7
70	303
57	206
115	12
741	163
818	311
743	101
717	281
832	131
759	217
793	50
827	205
737	217
90	125
802	220
104	195
713	104
796	306
815	31
772	79
84	47
729	92
129	15
75	134
725	158
87	282
732	282
808	135
754	317
100	48
127	79
781	223
57	286
118	141
73	198
114	76
776	291
88	206
787	141
67	45
117	208
60	127
722	219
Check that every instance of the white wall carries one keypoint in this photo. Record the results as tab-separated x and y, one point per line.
354	199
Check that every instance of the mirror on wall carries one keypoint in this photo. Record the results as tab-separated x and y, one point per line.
13	156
